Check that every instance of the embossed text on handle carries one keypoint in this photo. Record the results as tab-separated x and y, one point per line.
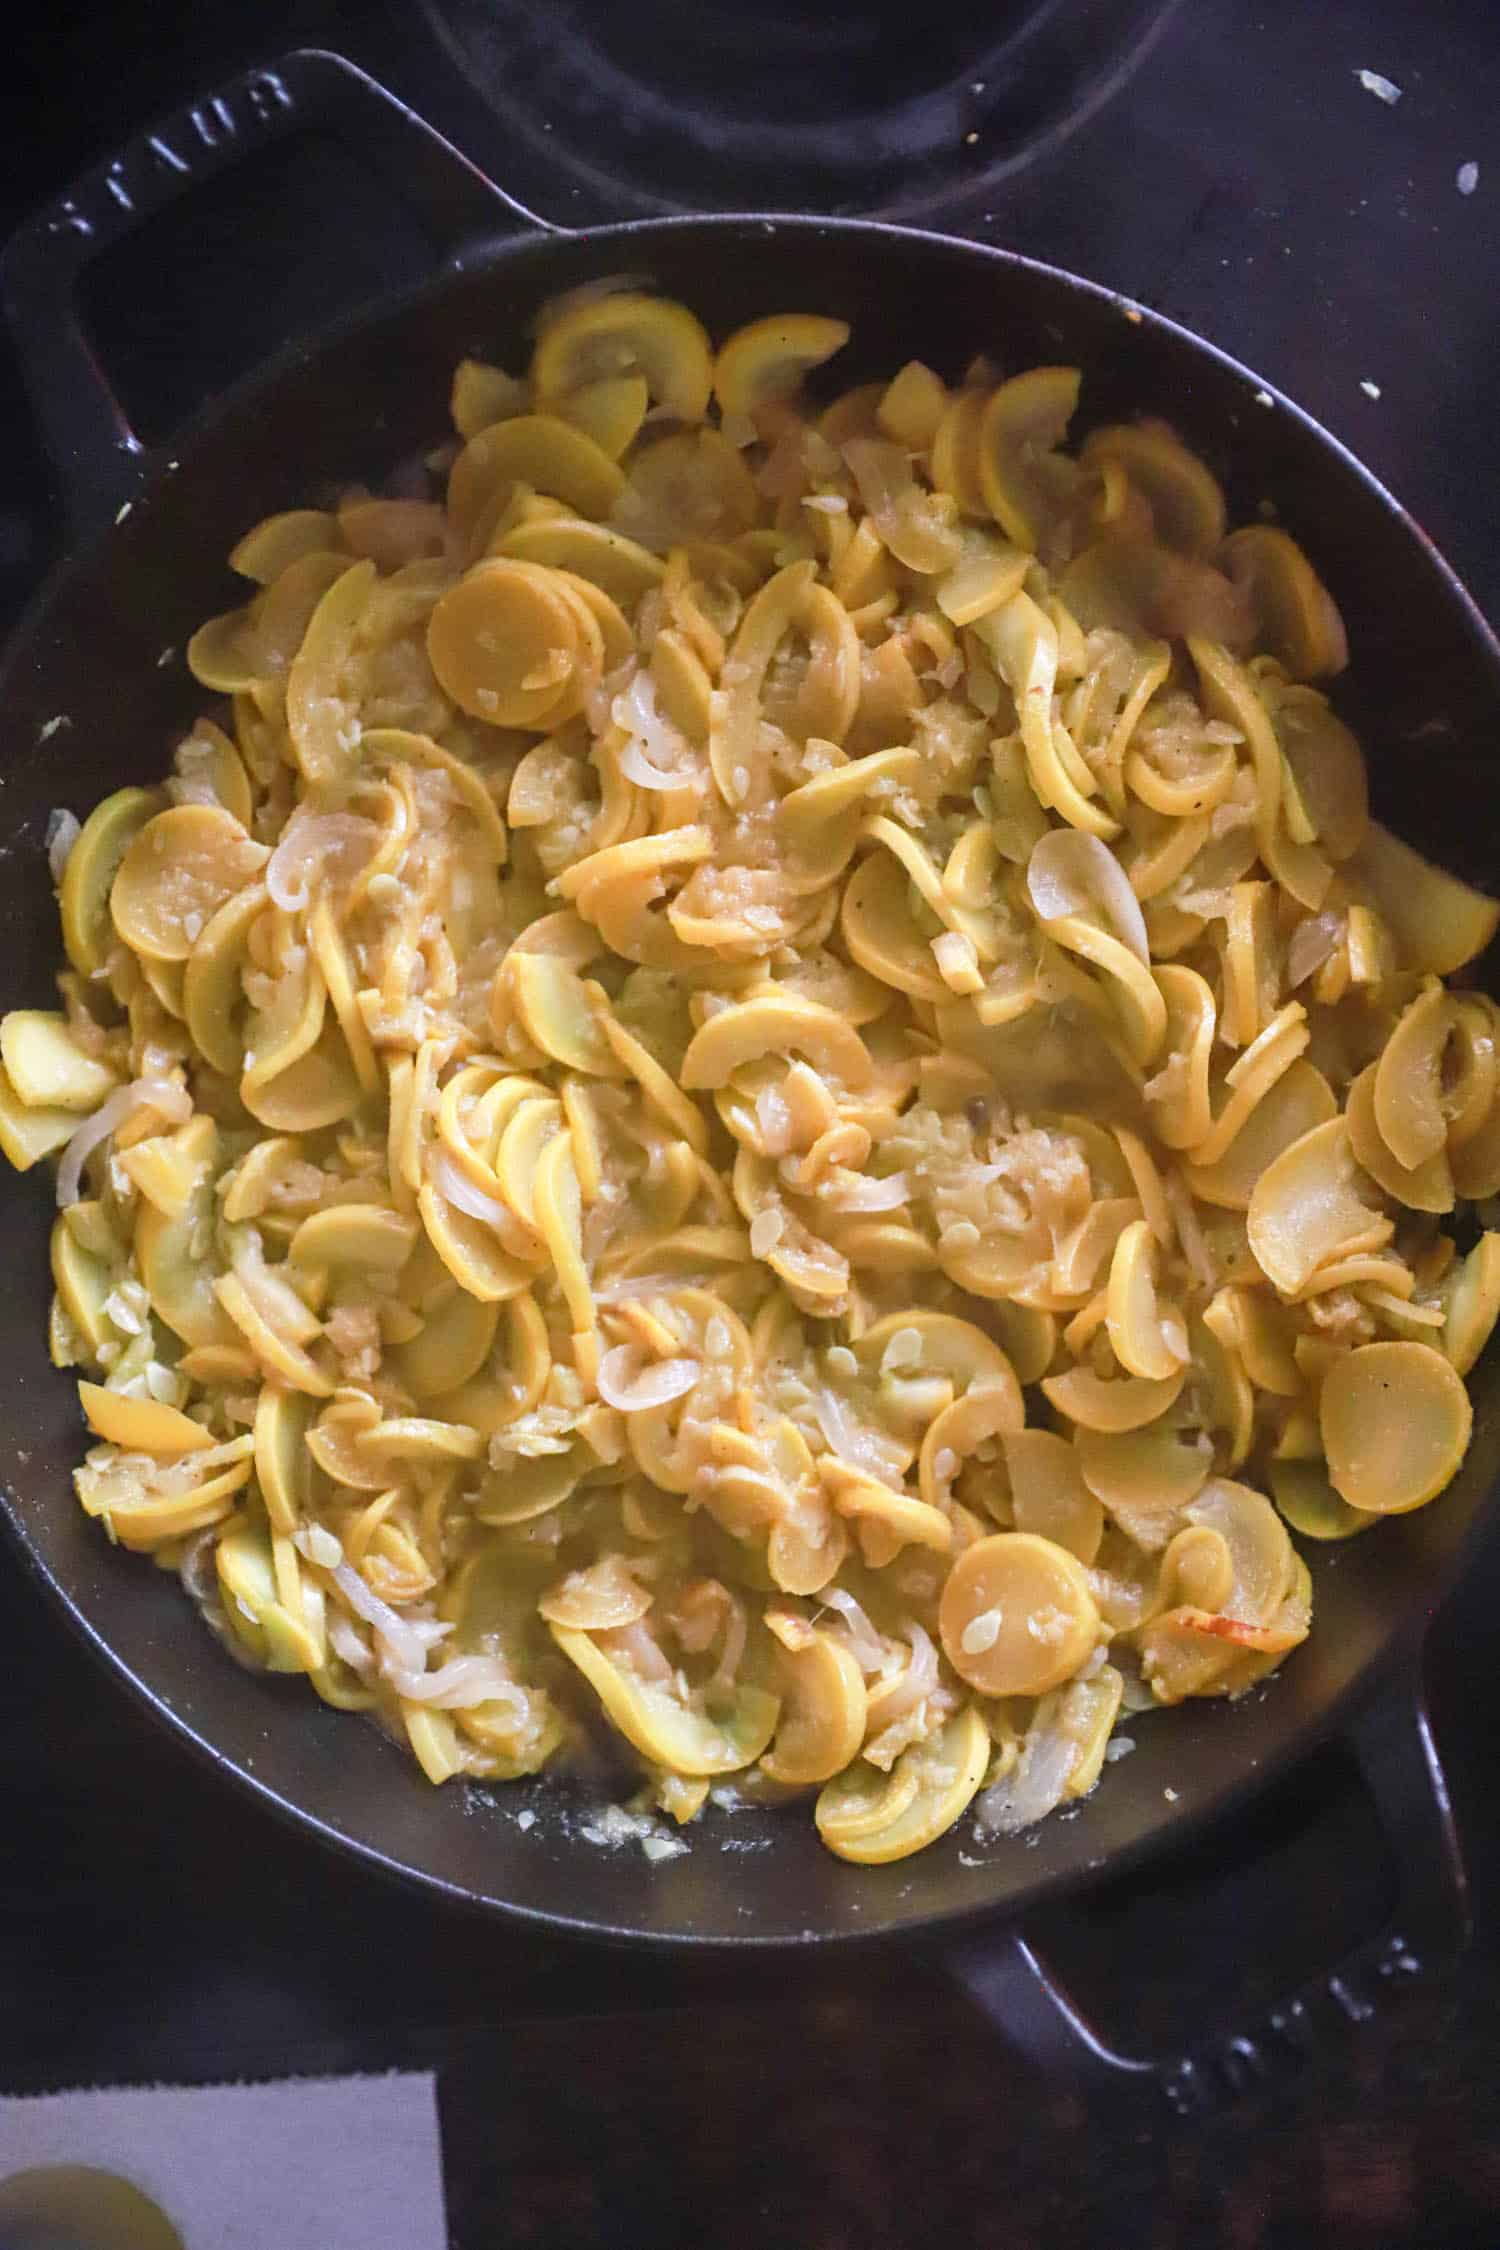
196	138
1280	2043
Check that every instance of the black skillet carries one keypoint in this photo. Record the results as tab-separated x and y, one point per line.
87	705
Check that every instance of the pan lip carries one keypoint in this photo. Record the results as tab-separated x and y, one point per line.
1405	1636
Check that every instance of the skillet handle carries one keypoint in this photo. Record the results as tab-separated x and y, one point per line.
1422	1941
99	459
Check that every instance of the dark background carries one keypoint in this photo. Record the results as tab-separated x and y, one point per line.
152	1925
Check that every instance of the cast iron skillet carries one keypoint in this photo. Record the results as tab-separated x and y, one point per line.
1426	683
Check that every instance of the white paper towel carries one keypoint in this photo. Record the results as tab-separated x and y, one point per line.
304	2163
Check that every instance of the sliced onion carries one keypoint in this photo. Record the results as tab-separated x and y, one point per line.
766	1230
774	1118
237	1650
465	1195
1071	872
860	1446
63	831
858	1192
1190	1235
635	709
640	1651
291	900
1310	945
637	767
318	1544
198	1570
1036	1783
866	1645
313	843
624	1384
404	1641
192	783
193	789
918	1680
347	1644
1137	1696
274	1298
657	752
458	1684
142	1093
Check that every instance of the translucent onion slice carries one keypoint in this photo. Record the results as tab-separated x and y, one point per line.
893	1698
332	846
1037	1783
160	1094
658	754
1395	1420
405	1642
1071	872
63	831
1133	584
637	767
602	1597
455	1186
864	1642
1061	1756
625	1384
457	1685
1310	945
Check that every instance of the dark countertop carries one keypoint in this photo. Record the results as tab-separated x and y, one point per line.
153	1924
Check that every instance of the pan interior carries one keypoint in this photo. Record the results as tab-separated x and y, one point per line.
93	700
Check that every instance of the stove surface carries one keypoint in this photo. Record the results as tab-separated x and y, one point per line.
1219	160
703	105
